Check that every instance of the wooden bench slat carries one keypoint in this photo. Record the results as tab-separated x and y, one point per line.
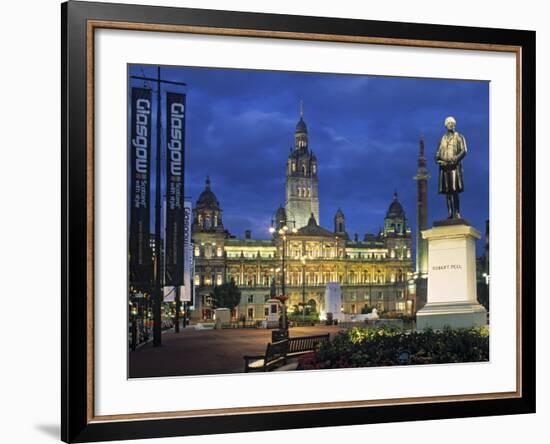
277	352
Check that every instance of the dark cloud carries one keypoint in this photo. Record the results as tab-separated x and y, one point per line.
363	129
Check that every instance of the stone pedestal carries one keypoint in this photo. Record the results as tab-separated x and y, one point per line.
222	316
333	301
273	306
452	295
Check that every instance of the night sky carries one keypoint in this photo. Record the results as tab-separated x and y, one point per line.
364	131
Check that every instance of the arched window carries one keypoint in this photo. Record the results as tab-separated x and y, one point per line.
303	169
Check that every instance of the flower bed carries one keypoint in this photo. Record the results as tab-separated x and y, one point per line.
373	347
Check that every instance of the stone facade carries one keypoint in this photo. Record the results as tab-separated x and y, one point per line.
375	270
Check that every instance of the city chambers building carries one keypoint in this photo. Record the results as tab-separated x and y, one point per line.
373	270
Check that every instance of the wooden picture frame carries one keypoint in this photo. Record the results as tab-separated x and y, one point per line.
80	20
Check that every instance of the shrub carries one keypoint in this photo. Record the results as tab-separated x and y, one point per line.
373	347
297	315
367	309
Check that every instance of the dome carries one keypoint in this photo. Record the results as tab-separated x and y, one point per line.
280	216
207	198
395	209
301	126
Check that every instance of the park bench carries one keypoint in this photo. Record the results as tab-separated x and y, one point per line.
275	355
305	344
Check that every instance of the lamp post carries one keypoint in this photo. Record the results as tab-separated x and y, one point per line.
282	230
304	289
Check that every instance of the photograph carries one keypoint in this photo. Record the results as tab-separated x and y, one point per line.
303	221
280	221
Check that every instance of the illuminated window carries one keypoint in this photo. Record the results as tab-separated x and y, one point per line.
197	251
220	252
219	279
197	279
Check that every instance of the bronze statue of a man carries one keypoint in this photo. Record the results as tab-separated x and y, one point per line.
451	151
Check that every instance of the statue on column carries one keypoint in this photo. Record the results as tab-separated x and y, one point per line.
451	151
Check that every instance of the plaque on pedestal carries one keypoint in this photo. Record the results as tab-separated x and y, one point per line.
452	295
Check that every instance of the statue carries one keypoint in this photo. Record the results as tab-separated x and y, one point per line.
451	151
373	315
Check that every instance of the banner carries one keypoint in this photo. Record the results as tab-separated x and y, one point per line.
169	294
141	266
188	249
175	137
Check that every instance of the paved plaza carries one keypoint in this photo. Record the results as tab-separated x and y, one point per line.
207	352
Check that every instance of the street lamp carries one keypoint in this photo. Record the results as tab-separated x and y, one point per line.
303	260
282	227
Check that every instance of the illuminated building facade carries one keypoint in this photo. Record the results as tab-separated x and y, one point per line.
373	271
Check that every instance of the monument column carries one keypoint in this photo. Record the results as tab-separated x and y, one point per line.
421	274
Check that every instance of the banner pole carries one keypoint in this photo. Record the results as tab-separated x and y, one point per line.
157	318
157	294
178	305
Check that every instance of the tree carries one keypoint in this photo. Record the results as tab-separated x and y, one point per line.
226	295
483	294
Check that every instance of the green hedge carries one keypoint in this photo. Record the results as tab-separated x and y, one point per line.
372	347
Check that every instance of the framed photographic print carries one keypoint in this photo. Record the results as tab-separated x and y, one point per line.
277	221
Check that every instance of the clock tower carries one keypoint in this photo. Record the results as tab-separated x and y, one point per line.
302	199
